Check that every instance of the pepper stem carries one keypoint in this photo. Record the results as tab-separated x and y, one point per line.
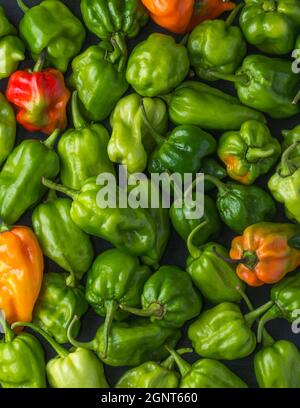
50	141
252	316
90	345
111	307
254	154
287	168
78	120
193	250
184	366
8	333
118	39
22	6
267	339
244	297
242	79
216	182
51	196
271	314
230	19
168	363
296	99
249	259
59	187
159	139
40	62
3	226
154	310
57	347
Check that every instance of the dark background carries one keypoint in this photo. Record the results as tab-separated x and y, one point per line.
176	252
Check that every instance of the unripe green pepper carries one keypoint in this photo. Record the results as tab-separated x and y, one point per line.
58	303
61	239
83	150
169	298
157	65
131	140
211	167
21	177
290	137
7	128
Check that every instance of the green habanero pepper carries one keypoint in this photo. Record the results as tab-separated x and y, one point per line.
169	298
131	140
157	65
290	137
271	25
99	81
61	239
250	152
7	128
83	150
215	45
268	85
115	279
78	368
131	230
195	103
52	27
22	360
213	168
132	343
224	333
58	303
21	177
12	49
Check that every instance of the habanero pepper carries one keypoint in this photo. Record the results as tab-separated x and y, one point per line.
7	128
291	136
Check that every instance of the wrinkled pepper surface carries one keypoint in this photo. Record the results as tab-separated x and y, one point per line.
7	128
212	167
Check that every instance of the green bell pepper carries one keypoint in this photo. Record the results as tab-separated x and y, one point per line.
131	141
22	360
78	368
271	25
213	168
12	49
7	128
83	150
131	230
250	152
21	177
61	239
58	303
290	137
223	333
268	85
214	45
52	27
168	298
100	84
132	343
195	103
157	65
114	20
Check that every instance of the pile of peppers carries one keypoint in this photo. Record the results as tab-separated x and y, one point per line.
101	106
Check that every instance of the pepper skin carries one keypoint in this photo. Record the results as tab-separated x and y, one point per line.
132	343
51	26
22	360
58	303
21	177
249	153
290	137
264	253
99	81
40	98
131	140
83	150
169	298
131	230
216	46
212	167
181	17
195	103
271	25
7	129
12	50
61	239
157	65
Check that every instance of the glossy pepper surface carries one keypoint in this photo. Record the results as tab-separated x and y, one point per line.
52	27
83	150
131	230
58	303
61	239
99	80
215	45
271	25
132	343
182	16
12	50
21	177
169	298
22	360
157	65
212	167
263	252
7	128
291	136
131	140
40	98
21	272
249	153
195	103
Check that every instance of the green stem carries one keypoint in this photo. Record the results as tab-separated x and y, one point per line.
50	141
111	307
119	40
296	99
3	226
216	182
230	19
287	168
267	339
78	120
40	62
252	316
244	297
51	196
22	6
154	310
242	79
184	366
254	154
193	250
169	362
78	344
271	314
159	139
57	347
8	333
194	184
59	187
249	259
